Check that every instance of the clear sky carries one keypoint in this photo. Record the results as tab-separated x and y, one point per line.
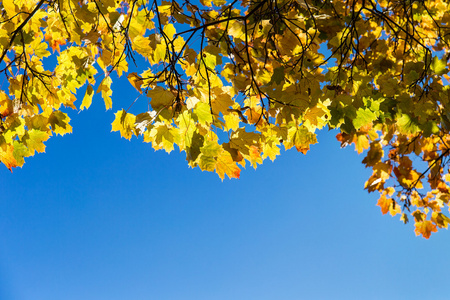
98	217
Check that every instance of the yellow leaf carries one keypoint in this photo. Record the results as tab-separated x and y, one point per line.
440	219
105	89
124	122
10	8
271	151
7	157
162	136
301	138
317	116
59	122
203	112
159	54
374	155
142	46
160	97
206	2
191	102
34	140
170	31
219	2
210	150
362	143
186	126
226	166
222	101
447	177
381	173
232	121
394	208
236	30
87	99
135	81
20	151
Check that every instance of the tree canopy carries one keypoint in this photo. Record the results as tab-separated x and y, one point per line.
232	82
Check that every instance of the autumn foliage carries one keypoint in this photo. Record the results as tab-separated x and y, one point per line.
230	83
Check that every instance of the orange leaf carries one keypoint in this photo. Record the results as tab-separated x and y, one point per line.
425	228
7	157
384	203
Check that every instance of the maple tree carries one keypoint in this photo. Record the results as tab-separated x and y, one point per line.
231	82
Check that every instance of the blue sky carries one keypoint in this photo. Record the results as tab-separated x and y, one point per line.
99	217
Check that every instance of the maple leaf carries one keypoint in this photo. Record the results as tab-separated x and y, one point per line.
160	97
407	125
301	138
135	81
439	66
232	121
7	157
59	122
87	100
162	136
374	155
125	123
105	89
425	228
362	143
384	203
222	100
316	117
363	117
34	140
203	113
227	166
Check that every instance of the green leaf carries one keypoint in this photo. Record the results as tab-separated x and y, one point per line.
407	125
430	128
363	117
186	130
203	112
194	151
439	66
278	75
20	151
210	148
